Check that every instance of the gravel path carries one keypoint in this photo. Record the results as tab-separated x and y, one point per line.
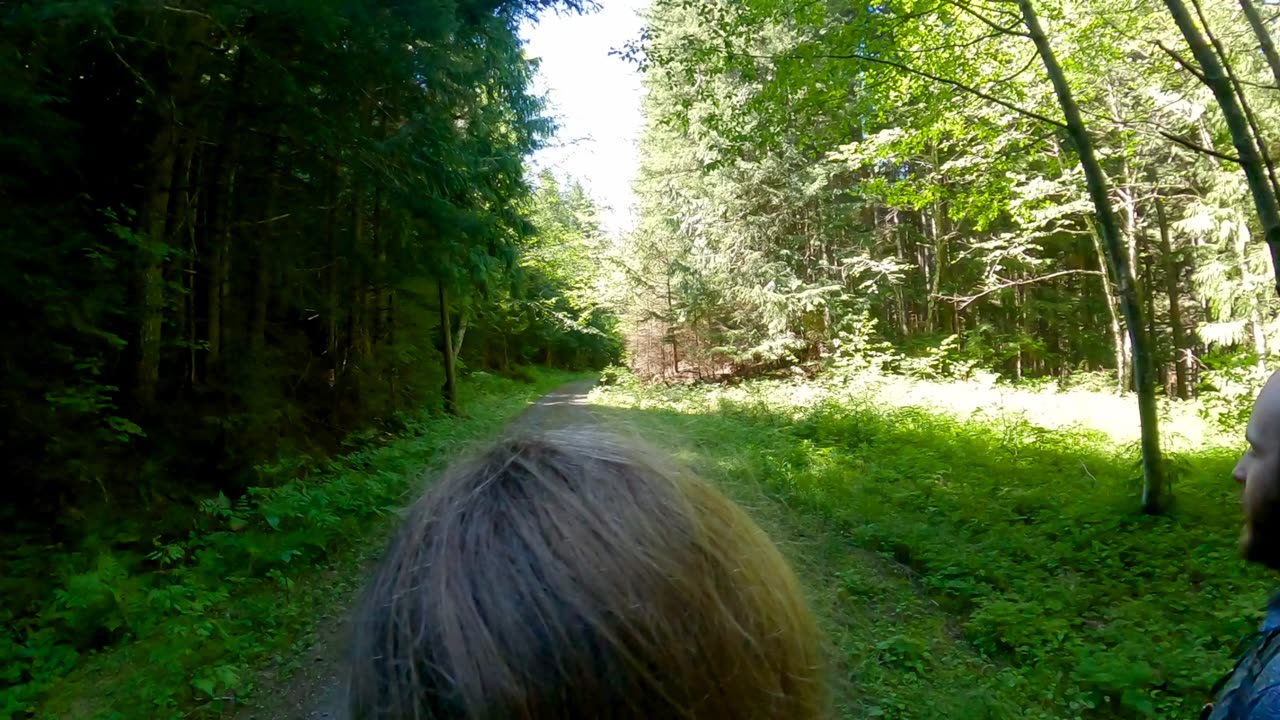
314	691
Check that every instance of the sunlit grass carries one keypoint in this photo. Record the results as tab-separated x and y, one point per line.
1014	515
1185	425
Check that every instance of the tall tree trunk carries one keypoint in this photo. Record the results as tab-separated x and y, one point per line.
1023	325
1131	306
936	314
216	262
184	231
1153	330
1255	167
446	337
1172	271
1254	127
191	277
899	294
394	374
1117	331
154	217
949	313
356	328
1263	36
172	96
671	330
262	261
376	286
331	284
221	207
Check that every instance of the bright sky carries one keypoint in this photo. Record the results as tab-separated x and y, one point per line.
595	99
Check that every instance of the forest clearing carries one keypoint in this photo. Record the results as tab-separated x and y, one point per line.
967	302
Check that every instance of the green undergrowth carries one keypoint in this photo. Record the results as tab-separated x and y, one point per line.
981	567
179	629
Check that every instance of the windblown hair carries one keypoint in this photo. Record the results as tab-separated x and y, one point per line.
570	576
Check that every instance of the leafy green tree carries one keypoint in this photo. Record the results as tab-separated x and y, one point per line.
238	229
806	164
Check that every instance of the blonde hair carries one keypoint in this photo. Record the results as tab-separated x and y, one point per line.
570	575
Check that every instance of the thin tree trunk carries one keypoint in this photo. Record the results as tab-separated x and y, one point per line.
221	207
1024	325
1256	330
899	294
1264	38
154	216
356	328
446	336
391	340
219	246
172	96
378	273
936	308
1131	306
1255	168
1153	330
1117	332
261	302
1171	274
184	228
464	320
262	271
191	276
671	330
331	284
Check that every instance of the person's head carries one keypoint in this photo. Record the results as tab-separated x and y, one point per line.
1259	472
571	576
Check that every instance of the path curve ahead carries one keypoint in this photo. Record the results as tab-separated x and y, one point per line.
314	691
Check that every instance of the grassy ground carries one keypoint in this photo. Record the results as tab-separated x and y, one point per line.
977	566
244	596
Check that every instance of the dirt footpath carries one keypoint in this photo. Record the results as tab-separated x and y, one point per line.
314	692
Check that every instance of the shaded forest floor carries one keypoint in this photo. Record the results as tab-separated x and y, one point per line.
252	632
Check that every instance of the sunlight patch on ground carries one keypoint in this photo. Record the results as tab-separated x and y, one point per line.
1183	424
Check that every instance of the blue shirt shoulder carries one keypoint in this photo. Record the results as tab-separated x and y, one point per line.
1252	690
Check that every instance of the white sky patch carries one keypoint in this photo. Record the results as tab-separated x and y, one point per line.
595	99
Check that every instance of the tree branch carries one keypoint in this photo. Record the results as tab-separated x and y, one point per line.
969	300
1027	66
945	81
1198	148
1181	61
985	20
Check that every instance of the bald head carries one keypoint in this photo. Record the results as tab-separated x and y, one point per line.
1259	472
1264	421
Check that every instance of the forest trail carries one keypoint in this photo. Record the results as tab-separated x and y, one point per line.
314	691
863	600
